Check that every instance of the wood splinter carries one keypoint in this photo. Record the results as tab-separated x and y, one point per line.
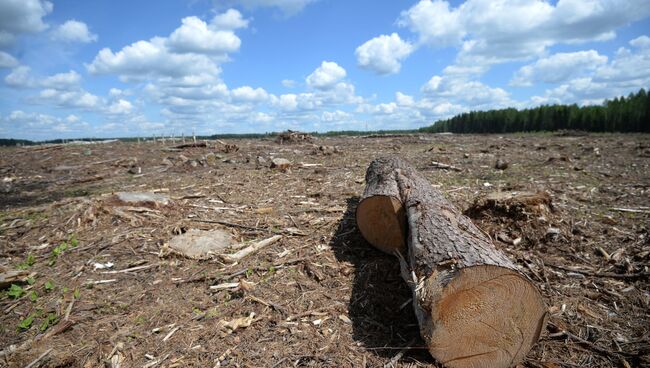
473	307
250	249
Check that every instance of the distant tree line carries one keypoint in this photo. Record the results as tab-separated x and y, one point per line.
15	142
622	114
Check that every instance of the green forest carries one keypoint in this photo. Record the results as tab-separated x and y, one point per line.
622	114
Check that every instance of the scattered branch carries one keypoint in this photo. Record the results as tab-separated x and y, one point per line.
250	249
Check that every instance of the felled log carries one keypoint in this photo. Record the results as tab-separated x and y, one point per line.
191	145
473	307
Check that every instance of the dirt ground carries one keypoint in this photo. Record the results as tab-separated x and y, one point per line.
321	296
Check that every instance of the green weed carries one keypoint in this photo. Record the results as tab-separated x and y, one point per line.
49	285
27	263
15	291
48	321
26	323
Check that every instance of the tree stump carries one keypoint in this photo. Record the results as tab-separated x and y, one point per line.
473	307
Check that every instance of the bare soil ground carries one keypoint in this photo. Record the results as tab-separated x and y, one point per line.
321	296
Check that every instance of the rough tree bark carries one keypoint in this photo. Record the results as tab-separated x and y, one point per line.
473	307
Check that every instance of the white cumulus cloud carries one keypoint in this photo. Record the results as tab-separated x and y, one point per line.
383	54
74	31
195	36
629	66
32	125
189	57
326	76
62	80
7	61
150	59
627	72
471	94
23	16
71	99
489	32
20	77
434	22
335	116
229	20
558	68
288	102
249	94
403	99
120	107
288	7
642	42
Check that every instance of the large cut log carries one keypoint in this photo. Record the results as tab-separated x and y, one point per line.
473	307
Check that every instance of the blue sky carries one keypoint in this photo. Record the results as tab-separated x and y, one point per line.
110	68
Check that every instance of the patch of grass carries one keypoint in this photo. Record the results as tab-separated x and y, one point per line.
61	248
27	263
211	313
139	320
72	240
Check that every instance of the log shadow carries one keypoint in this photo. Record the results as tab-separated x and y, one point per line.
382	315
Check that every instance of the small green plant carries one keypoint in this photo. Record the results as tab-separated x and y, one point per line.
33	296
76	294
139	320
65	289
49	285
211	313
48	321
27	263
15	291
249	272
57	251
31	280
26	323
73	240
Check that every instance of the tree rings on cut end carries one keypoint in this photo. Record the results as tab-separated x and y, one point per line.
382	222
486	316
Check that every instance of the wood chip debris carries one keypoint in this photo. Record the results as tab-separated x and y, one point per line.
228	327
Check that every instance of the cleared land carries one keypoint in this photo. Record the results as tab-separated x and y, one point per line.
320	296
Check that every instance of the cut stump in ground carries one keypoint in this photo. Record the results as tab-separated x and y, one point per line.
473	307
512	204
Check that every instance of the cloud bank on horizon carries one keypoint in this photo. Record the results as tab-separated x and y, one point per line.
111	68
